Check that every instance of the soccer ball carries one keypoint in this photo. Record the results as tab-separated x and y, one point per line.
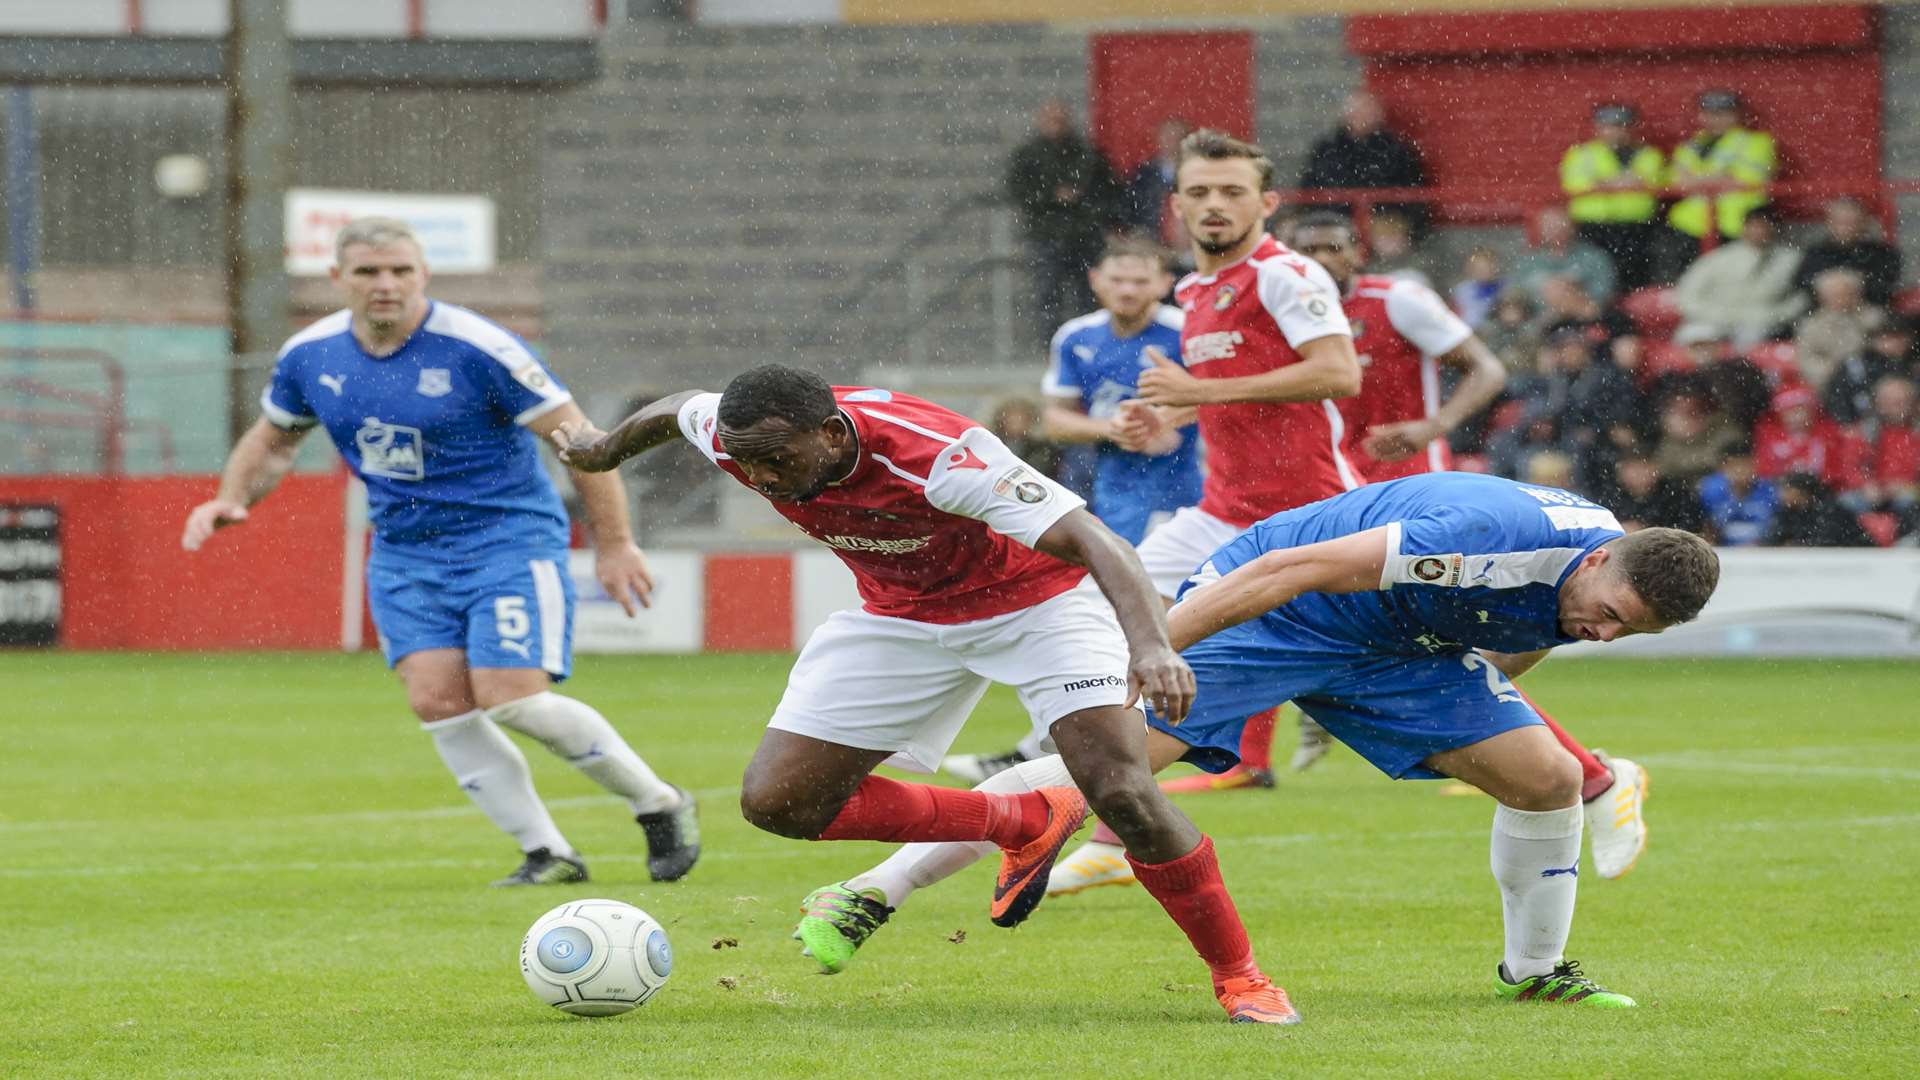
595	957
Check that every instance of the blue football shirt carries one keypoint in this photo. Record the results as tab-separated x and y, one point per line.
436	430
1473	561
1087	361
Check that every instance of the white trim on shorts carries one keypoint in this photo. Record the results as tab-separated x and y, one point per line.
1175	550
552	600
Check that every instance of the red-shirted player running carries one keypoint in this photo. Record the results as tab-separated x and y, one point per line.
973	568
1397	426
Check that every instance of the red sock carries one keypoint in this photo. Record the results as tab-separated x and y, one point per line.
1594	777
1104	835
1190	889
1256	740
883	809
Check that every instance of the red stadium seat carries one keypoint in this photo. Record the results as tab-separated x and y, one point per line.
1907	301
1884	528
1652	311
1505	415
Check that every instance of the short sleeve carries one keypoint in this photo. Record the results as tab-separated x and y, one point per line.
979	477
698	417
284	401
1063	378
1302	299
1423	318
519	383
1476	547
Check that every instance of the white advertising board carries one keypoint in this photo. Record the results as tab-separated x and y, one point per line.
456	231
676	623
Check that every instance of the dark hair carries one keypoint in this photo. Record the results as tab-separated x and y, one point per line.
1219	146
1765	212
777	392
1137	247
1673	570
1324	219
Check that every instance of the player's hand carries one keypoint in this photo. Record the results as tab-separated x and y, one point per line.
1134	426
1167	383
582	446
1391	442
1165	680
207	517
623	572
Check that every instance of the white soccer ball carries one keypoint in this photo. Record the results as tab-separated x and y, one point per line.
595	957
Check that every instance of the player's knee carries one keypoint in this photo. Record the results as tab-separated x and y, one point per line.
1552	784
772	808
436	703
1128	804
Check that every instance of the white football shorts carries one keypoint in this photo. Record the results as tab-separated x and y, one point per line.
1172	552
881	683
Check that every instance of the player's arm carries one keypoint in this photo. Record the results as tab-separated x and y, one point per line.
1155	670
1348	564
1064	420
1485	377
586	449
262	456
1328	368
1514	665
618	562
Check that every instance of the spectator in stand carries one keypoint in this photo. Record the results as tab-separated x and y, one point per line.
1551	468
1850	391
1837	328
1694	438
1392	250
1739	506
1892	436
1509	451
1513	335
1850	243
1743	289
1612	183
1016	421
1641	498
1731	163
1729	378
1068	198
1475	294
1568	304
1559	253
1363	153
1151	186
1809	516
1797	438
1597	404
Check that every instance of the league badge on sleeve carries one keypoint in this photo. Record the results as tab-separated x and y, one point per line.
1020	483
435	382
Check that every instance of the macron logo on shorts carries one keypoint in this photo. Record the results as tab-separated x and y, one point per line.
1088	684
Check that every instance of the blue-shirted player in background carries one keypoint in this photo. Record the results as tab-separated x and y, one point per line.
1395	615
1093	370
440	412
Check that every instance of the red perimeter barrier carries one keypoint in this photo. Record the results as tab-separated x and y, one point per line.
272	583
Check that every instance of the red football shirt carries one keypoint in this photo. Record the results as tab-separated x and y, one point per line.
1399	326
1246	319
937	519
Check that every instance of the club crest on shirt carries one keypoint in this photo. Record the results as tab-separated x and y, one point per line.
392	450
1223	299
1020	483
434	382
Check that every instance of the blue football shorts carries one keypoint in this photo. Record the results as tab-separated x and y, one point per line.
1395	710
511	609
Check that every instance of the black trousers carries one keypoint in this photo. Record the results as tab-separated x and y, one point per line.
1630	245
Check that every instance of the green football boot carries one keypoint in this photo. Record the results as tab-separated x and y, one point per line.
1564	985
835	921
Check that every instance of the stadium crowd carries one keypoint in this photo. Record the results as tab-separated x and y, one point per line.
1757	392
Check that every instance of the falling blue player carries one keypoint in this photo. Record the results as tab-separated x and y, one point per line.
1395	615
440	412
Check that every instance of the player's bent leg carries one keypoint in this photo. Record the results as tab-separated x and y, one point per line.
577	733
796	785
1102	860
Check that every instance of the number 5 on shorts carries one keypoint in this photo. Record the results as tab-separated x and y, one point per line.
510	617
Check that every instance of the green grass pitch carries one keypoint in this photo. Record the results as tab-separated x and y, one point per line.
254	865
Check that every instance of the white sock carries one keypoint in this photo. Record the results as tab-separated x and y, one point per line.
575	731
494	774
917	866
1536	860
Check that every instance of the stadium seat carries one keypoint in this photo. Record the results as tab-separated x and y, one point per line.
1652	311
1883	527
1505	415
1907	301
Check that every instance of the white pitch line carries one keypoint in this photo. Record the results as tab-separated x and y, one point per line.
1707	763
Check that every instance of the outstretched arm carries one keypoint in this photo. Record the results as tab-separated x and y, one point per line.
1155	670
617	562
258	461
585	448
1486	376
1346	565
